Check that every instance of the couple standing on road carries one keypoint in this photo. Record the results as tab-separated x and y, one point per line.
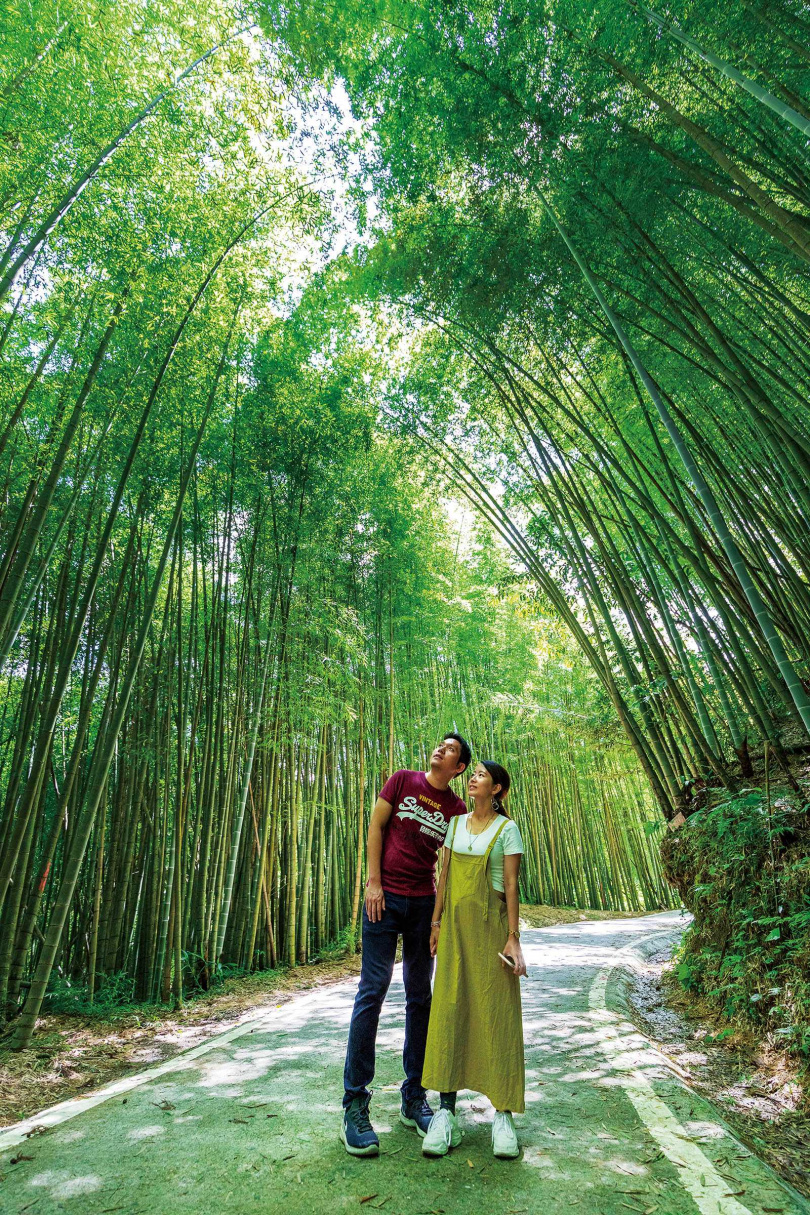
471	1035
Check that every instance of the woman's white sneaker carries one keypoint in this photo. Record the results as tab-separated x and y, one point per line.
504	1137
442	1134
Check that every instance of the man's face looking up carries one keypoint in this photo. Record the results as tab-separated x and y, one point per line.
446	759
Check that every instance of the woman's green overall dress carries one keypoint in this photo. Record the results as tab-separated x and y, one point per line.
475	1036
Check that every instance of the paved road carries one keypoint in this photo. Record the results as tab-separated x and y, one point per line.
248	1122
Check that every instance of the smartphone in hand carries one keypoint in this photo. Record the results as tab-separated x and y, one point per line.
510	962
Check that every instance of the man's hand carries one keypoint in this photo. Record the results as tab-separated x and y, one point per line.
512	950
375	900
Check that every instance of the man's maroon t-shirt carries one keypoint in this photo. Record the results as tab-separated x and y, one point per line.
415	831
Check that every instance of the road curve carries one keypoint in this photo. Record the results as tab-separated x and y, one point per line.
248	1121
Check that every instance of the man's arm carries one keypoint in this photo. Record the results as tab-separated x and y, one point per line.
375	899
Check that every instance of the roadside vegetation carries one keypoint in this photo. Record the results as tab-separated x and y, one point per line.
741	865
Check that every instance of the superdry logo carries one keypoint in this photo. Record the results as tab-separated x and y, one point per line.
431	821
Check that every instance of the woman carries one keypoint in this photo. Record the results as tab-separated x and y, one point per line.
475	1036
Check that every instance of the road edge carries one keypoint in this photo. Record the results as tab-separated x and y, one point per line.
617	1002
265	1017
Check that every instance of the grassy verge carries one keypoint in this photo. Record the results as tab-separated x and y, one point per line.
540	916
742	866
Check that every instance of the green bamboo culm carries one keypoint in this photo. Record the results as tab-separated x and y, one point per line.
730	547
672	30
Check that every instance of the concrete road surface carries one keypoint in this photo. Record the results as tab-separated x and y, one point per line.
248	1121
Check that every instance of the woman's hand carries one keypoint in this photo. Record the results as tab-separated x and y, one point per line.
512	950
434	941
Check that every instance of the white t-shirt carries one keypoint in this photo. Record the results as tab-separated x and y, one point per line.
507	844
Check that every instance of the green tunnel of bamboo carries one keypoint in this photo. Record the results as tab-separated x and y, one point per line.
238	585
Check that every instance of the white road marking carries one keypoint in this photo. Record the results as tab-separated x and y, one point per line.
694	1170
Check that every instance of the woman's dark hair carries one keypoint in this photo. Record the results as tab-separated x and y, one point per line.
464	752
499	777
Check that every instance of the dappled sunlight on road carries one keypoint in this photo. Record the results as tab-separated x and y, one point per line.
146	1132
62	1185
250	1121
569	954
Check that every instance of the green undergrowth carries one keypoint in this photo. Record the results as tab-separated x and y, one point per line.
742	867
115	996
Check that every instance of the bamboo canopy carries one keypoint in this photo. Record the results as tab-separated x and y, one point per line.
277	306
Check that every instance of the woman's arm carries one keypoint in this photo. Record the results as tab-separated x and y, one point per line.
438	906
511	869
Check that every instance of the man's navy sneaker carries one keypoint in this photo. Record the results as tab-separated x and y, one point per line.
357	1133
416	1113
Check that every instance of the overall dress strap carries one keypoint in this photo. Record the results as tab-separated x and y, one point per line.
451	831
485	863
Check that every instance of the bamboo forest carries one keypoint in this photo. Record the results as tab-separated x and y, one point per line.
377	370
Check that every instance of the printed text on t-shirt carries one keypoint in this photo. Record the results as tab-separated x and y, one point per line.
432	821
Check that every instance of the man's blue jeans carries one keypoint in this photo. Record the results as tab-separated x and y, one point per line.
408	917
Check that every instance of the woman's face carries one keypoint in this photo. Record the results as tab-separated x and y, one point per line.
481	783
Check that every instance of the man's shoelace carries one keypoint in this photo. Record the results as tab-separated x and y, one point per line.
361	1120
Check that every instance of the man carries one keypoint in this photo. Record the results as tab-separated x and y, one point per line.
407	829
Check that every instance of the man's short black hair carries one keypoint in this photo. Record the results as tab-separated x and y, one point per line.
465	754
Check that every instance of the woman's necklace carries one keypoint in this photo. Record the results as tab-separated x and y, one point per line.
470	837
